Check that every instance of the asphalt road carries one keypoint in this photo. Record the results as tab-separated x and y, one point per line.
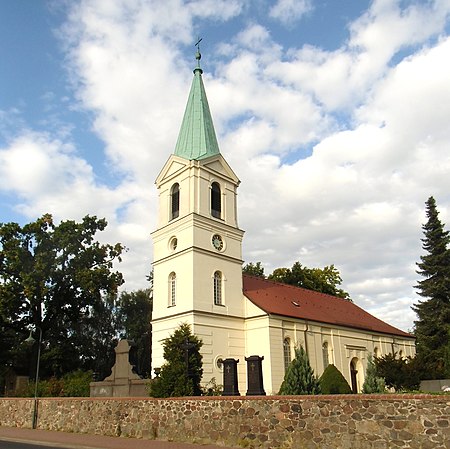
24	438
15	445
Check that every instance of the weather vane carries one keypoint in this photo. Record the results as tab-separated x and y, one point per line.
197	44
198	55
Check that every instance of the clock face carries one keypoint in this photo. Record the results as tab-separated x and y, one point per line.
217	242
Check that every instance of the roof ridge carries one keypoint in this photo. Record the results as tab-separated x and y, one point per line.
298	288
275	300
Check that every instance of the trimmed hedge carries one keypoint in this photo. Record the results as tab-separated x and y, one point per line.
333	382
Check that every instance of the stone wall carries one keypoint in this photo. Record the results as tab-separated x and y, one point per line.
310	422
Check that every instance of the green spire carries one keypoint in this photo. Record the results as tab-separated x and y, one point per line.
197	138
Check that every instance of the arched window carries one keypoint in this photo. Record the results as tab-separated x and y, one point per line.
286	353
326	358
174	201
218	288
216	201
376	352
172	289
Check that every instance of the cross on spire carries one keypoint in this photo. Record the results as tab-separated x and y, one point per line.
198	55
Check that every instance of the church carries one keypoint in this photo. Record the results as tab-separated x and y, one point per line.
198	277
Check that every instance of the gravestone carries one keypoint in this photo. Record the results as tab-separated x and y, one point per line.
230	377
255	386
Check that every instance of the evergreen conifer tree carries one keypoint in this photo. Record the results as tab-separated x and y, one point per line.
299	377
182	372
372	382
432	328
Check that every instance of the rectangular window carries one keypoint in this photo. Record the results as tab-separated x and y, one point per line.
216	203
175	200
172	289
326	358
218	288
286	353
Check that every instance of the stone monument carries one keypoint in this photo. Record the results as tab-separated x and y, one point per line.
122	382
255	386
230	377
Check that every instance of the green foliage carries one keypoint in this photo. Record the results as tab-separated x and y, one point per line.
254	269
333	382
324	280
432	328
134	312
182	372
75	384
372	382
60	279
212	388
299	377
398	373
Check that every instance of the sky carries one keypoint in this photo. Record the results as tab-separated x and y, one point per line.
333	114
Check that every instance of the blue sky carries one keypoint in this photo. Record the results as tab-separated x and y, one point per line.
334	114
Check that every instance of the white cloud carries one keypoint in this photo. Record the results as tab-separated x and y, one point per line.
288	11
337	151
343	78
358	200
216	9
49	177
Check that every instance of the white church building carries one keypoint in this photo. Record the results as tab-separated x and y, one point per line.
198	277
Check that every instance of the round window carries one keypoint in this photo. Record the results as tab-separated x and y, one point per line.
173	243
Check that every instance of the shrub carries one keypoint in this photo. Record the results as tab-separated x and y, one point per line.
212	388
299	377
177	378
372	382
399	373
333	382
74	384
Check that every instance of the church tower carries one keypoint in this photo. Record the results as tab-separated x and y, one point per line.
198	244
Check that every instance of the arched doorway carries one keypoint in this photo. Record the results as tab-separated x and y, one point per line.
356	375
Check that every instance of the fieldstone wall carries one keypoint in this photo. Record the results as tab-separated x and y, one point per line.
301	422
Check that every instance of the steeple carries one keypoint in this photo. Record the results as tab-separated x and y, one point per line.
197	139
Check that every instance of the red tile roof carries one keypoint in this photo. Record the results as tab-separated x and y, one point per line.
287	300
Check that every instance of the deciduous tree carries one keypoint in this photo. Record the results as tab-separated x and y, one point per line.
254	269
134	314
59	278
325	280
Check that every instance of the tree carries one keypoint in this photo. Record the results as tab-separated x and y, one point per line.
99	332
432	328
254	269
134	315
398	373
299	377
59	279
324	280
182	372
372	382
333	382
